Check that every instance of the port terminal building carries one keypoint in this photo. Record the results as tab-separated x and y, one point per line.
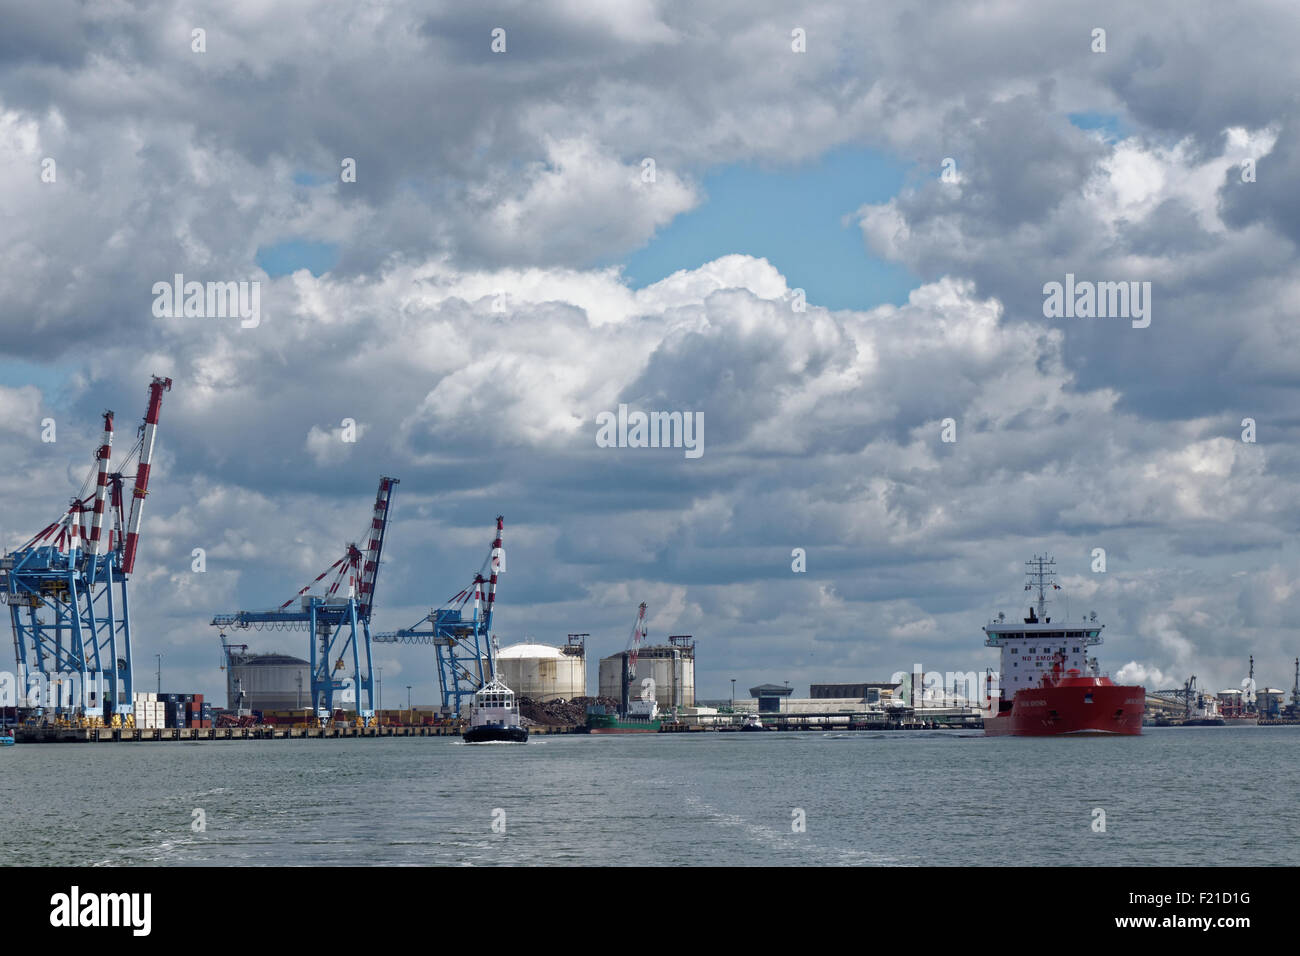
851	698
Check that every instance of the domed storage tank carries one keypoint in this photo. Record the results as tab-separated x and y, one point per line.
268	682
544	672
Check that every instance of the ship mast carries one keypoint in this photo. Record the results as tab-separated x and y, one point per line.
1042	575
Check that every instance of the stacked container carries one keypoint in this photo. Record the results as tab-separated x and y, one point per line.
170	718
148	712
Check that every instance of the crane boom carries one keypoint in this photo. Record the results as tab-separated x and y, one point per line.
148	432
337	622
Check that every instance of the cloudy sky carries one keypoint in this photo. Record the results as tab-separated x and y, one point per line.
629	205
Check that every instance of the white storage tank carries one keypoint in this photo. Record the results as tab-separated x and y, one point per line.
544	672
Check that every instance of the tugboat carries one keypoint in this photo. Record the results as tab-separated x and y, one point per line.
1050	687
753	722
494	716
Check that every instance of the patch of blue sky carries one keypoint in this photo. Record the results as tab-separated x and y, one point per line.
285	258
1109	125
307	178
801	219
50	379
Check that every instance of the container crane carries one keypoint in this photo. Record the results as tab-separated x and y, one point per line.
460	642
67	587
338	622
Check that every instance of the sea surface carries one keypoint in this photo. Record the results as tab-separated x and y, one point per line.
1174	796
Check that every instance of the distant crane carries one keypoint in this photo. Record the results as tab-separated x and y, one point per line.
631	654
339	622
465	662
67	587
234	686
1295	690
1189	692
1188	695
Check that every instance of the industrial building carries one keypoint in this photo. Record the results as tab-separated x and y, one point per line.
266	682
1271	701
770	696
543	672
822	698
865	690
671	666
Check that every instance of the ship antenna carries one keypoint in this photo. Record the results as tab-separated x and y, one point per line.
1042	575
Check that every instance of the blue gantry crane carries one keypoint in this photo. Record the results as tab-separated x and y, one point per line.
337	622
459	634
67	590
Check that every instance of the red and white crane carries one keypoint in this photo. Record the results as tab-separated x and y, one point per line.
67	587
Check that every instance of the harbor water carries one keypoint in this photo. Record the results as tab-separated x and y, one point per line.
1186	796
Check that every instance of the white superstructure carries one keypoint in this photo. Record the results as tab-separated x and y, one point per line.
1032	648
494	706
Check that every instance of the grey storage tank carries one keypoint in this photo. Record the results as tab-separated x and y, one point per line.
671	666
267	682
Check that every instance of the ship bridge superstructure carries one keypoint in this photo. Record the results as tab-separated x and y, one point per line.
1038	647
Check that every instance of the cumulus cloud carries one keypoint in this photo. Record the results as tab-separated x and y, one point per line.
1152	678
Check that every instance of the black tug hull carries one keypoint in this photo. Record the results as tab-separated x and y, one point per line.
484	735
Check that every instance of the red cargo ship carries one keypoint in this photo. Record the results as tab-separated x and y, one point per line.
1049	686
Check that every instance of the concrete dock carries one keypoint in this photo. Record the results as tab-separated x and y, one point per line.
85	735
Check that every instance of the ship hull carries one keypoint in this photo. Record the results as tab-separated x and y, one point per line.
503	735
619	725
1075	707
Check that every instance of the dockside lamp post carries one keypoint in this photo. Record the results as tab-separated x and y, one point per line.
733	694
